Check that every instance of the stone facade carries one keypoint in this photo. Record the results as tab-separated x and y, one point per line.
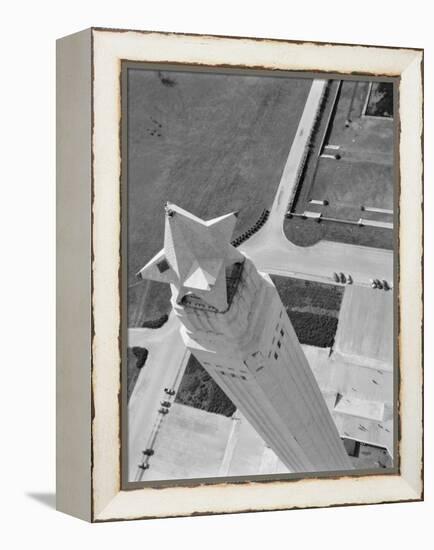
233	321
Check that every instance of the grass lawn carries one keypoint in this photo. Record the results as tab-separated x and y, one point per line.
199	390
349	185
148	301
209	143
309	232
367	135
313	329
309	296
312	307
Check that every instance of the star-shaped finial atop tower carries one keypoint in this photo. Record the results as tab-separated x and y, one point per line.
195	256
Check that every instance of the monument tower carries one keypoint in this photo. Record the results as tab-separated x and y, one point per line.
234	323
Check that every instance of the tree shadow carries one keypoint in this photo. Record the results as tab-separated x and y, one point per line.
47	499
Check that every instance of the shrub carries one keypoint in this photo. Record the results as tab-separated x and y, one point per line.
199	390
313	329
141	356
156	323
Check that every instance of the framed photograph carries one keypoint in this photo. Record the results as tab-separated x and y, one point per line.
239	275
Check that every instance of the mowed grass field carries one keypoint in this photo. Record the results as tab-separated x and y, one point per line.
364	175
309	232
348	185
312	307
209	143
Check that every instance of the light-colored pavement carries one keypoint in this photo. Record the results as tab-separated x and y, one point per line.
364	411
365	330
191	444
273	253
198	444
164	368
247	453
194	443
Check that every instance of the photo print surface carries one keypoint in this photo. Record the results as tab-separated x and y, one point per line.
258	258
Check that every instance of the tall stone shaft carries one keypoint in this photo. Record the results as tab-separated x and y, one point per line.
234	323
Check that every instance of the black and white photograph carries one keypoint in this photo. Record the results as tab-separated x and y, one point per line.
217	236
258	260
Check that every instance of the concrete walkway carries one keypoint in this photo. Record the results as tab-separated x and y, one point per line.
164	368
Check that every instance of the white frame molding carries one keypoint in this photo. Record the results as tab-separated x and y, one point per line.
107	500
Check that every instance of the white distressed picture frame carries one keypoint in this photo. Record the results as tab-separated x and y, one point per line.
89	232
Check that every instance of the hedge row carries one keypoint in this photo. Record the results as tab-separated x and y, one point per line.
156	323
244	236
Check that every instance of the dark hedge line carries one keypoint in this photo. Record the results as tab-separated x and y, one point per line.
249	232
